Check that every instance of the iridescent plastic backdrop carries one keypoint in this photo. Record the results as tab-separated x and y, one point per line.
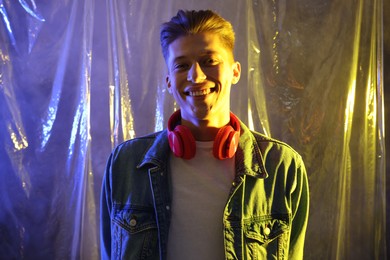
77	77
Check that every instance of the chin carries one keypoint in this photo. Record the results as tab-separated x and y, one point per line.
204	114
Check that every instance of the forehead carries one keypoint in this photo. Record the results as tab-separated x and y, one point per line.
192	46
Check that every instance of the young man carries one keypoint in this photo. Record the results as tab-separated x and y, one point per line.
206	187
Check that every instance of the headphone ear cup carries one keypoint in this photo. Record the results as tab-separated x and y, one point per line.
175	143
232	144
180	138
183	143
219	141
225	143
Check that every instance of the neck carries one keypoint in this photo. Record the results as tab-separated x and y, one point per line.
204	130
204	134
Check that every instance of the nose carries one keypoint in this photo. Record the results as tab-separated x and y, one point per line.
196	74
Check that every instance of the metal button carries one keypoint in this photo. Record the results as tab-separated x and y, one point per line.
267	231
133	222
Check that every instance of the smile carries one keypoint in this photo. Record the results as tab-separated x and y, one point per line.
199	93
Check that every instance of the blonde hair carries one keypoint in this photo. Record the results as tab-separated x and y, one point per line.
193	22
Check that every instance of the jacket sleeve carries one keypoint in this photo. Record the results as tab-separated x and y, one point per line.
300	211
105	213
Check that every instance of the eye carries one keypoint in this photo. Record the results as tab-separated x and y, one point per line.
210	61
180	66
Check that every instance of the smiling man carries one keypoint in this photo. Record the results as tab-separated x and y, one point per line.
206	187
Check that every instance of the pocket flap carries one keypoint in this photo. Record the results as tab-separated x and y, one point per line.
264	231
134	218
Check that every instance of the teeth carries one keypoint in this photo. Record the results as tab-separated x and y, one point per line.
199	92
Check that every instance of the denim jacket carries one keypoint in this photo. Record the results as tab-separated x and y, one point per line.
265	216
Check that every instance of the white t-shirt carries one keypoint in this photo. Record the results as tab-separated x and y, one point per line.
200	189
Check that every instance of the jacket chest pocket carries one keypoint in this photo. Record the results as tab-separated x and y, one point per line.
134	233
266	238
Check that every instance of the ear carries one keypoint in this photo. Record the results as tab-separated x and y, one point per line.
168	82
236	72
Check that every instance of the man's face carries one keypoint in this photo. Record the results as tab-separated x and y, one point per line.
201	71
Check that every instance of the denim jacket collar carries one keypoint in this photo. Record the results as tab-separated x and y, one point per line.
158	152
249	160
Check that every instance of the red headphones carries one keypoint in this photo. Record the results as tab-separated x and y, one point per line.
182	142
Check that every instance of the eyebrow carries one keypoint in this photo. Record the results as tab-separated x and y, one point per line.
178	58
181	57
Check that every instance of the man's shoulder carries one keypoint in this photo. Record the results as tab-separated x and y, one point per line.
137	144
139	140
267	143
